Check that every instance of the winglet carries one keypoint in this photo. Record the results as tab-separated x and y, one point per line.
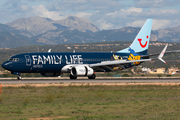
162	54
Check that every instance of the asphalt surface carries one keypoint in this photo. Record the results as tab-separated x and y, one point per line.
28	81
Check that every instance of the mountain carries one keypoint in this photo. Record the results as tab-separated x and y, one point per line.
75	36
169	34
34	26
75	23
44	31
4	27
9	37
70	30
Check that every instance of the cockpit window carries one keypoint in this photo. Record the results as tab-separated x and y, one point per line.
11	59
14	59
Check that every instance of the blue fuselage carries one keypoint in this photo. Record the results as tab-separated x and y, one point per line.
54	62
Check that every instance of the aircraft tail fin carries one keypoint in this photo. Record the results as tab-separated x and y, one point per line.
141	42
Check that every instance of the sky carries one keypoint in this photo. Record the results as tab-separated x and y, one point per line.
106	14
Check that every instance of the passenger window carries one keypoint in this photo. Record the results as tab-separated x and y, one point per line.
16	59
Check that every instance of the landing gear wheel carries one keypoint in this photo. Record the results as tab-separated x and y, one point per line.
72	77
92	76
19	77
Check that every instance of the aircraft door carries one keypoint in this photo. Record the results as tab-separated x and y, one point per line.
28	60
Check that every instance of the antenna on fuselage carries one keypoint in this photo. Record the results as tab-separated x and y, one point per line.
49	50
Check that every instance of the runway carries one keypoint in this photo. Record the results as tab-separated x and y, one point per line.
48	81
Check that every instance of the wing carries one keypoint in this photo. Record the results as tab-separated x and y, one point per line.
111	64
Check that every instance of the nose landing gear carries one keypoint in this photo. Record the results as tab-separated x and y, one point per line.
19	75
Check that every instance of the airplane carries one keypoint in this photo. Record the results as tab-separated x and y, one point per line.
53	64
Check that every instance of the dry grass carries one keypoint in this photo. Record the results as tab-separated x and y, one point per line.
91	102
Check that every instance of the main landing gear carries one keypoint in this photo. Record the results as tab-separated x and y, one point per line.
72	77
93	76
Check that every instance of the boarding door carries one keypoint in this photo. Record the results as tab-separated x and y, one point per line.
28	60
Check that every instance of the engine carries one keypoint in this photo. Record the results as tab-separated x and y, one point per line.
51	74
81	70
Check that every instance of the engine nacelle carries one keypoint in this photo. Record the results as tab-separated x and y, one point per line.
50	74
81	70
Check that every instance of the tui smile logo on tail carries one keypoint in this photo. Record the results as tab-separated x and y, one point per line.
143	46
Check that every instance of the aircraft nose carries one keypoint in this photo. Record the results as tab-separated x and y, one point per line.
5	65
